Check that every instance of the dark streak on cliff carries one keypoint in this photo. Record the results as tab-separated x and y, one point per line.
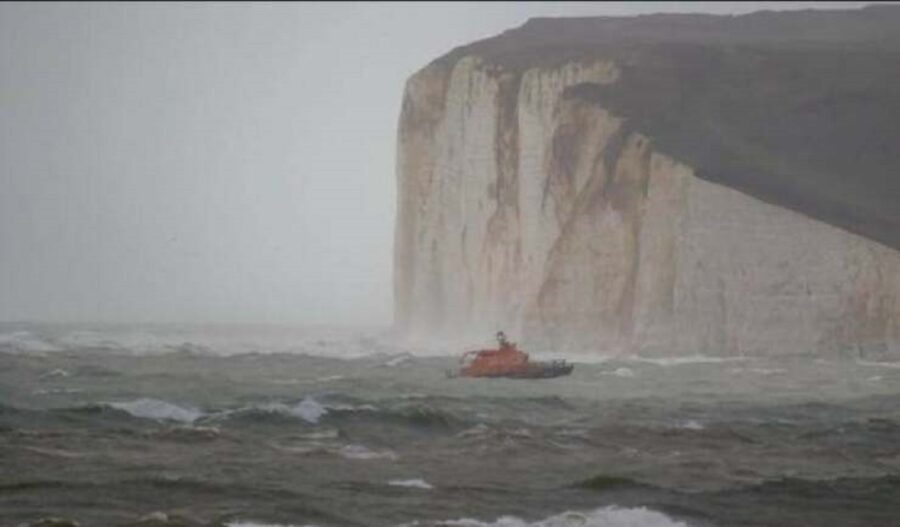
501	246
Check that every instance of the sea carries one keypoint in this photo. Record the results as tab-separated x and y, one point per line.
264	426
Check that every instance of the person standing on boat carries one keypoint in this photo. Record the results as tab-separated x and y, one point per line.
501	340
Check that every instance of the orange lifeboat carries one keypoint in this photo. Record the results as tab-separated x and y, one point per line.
508	361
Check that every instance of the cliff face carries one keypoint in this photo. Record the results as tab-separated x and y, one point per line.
581	195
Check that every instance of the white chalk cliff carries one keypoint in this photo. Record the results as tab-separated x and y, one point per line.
524	207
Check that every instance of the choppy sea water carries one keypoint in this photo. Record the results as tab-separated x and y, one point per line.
222	427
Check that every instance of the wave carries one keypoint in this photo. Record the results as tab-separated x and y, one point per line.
584	358
360	452
215	339
411	483
621	372
256	524
690	424
321	435
135	343
328	445
26	342
156	409
309	410
689	359
425	415
873	364
607	482
31	485
760	371
399	360
293	381
56	391
482	431
58	372
189	433
420	415
419	412
415	416
602	517
144	408
55	452
874	488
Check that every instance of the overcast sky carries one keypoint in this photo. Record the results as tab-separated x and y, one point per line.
219	162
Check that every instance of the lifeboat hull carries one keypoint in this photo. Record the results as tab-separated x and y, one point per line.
510	363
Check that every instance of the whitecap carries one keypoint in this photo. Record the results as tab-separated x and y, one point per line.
319	434
623	372
478	430
58	372
603	517
257	524
286	381
411	483
52	391
351	407
576	358
328	378
205	432
691	424
160	410
364	453
398	360
26	342
520	432
879	364
309	410
156	517
581	433
768	371
55	452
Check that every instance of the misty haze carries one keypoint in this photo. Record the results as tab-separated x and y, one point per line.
450	264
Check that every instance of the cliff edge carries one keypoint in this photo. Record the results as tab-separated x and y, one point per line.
663	184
